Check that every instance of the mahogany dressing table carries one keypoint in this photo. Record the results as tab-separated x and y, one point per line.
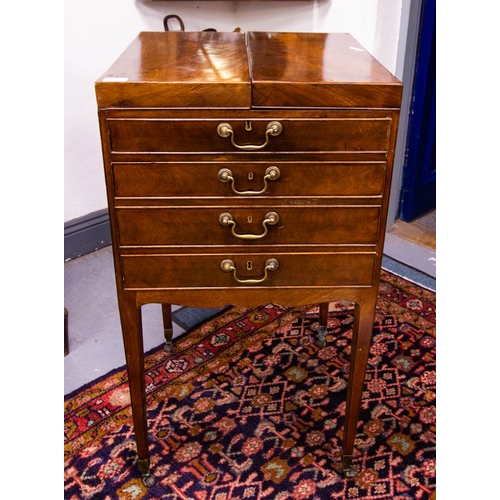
247	168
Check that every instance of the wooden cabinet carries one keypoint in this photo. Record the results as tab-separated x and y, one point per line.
247	169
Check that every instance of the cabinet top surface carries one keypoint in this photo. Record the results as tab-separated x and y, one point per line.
177	57
313	58
283	69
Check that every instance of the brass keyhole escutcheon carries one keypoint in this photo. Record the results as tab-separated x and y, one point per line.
249	219
248	126
249	265
250	176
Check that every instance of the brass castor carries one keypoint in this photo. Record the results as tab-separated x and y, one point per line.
321	342
148	480
169	346
347	468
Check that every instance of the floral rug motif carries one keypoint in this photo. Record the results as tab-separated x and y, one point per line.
248	407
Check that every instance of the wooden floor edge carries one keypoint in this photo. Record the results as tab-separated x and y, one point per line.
414	232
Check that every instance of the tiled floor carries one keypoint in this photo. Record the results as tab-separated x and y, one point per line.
95	343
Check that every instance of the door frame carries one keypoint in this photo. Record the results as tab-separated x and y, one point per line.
399	251
405	71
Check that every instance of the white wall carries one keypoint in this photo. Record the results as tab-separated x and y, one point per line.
97	31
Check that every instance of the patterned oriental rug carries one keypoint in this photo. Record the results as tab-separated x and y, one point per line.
249	408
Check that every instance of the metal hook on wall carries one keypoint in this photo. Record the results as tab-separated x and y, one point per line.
166	19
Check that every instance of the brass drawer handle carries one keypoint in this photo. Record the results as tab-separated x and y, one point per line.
227	265
225	175
273	128
270	219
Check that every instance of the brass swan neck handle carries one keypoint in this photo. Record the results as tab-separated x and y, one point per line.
228	266
270	219
226	175
273	129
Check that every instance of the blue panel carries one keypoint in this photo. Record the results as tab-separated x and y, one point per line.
419	173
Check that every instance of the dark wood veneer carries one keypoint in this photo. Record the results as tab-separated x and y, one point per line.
170	136
199	179
297	224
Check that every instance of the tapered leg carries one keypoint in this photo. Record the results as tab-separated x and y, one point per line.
131	321
323	324
66	343
361	341
167	327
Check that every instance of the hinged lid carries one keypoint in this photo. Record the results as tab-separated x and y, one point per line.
177	69
259	70
317	70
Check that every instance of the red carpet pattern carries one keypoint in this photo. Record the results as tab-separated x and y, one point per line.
250	407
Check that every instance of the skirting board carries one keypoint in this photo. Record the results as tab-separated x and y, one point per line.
86	234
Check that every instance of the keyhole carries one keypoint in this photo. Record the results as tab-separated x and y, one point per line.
249	265
250	176
248	126
249	219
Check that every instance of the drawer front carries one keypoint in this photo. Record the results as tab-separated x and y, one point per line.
168	179
247	270
247	225
139	135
